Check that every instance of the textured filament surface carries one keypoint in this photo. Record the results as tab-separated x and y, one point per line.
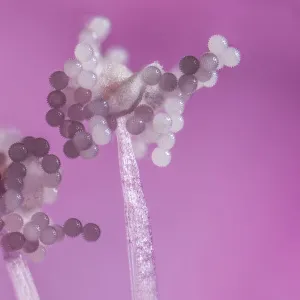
21	279
140	249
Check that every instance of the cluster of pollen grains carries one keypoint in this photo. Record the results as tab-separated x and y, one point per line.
87	99
159	116
29	178
77	108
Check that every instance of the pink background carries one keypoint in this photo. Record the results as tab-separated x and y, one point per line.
226	212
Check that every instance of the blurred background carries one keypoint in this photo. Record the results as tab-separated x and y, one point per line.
225	213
